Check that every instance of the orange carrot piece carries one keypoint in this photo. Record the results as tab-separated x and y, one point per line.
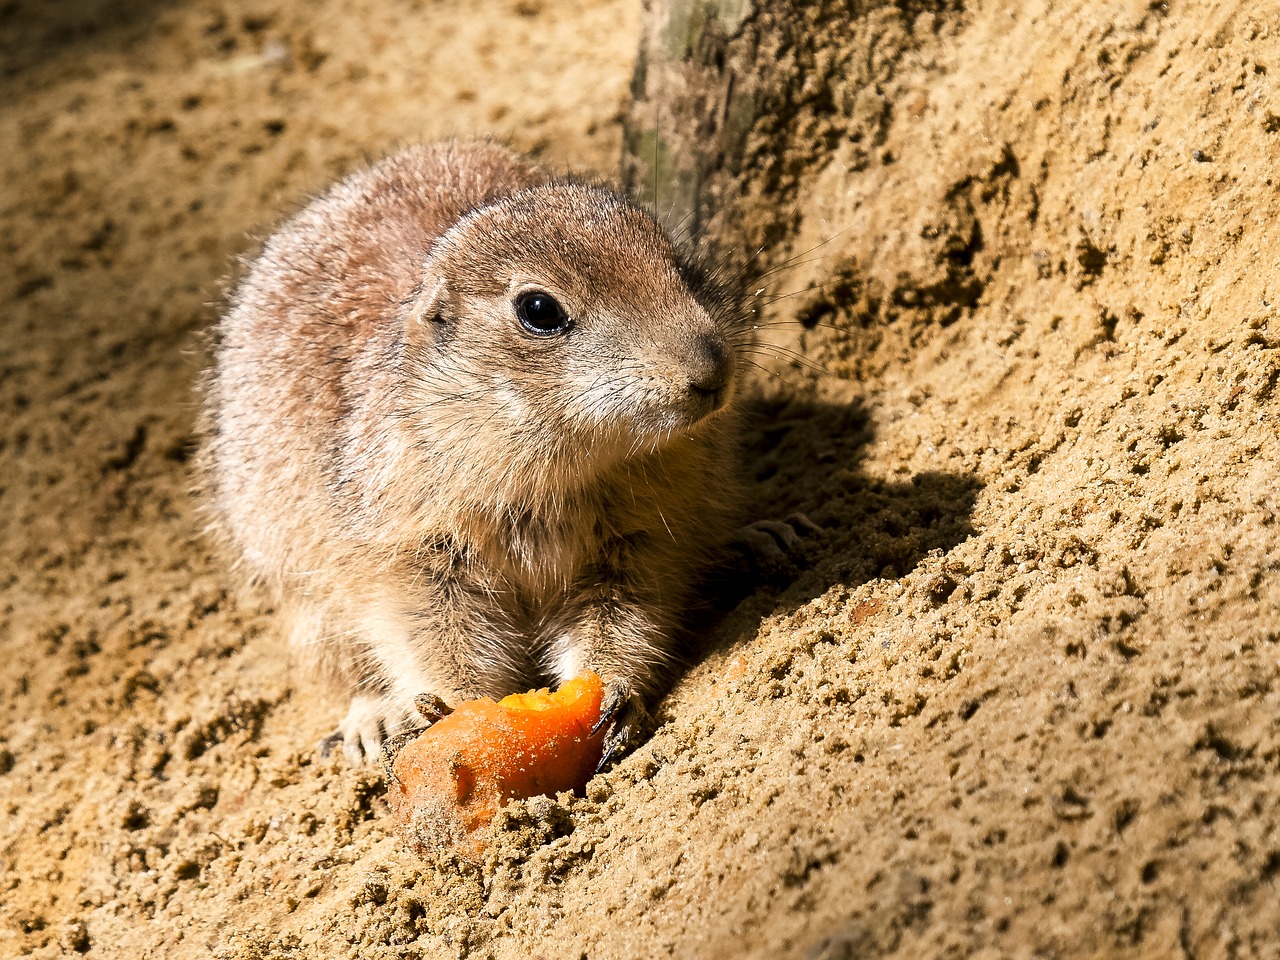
449	782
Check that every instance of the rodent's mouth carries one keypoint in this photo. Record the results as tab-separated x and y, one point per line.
707	403
693	407
716	396
653	409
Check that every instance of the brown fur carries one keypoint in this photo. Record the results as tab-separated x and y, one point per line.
437	500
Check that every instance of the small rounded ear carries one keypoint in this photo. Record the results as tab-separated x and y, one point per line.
427	305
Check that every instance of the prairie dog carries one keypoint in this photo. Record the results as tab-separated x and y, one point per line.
471	425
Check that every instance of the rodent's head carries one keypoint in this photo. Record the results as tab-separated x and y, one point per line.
564	312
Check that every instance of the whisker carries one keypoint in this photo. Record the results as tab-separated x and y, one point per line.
820	287
790	323
790	265
783	353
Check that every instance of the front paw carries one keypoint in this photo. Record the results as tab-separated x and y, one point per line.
624	717
369	721
770	547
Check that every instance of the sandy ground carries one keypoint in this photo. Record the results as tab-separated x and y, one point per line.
1023	697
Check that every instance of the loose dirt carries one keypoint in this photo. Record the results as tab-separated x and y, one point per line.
1021	696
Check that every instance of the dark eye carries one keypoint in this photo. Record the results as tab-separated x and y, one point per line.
541	314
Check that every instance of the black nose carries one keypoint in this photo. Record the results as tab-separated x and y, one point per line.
710	365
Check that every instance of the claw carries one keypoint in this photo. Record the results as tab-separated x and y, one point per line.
803	525
783	536
611	746
783	533
615	695
431	708
325	746
623	713
771	546
616	743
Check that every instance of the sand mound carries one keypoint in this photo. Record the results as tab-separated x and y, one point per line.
1022	699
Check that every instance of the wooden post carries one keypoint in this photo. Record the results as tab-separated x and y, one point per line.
691	112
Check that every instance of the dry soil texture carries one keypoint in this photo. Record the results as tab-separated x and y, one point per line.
1023	699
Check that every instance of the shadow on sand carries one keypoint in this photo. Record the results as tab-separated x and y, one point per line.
805	456
36	33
